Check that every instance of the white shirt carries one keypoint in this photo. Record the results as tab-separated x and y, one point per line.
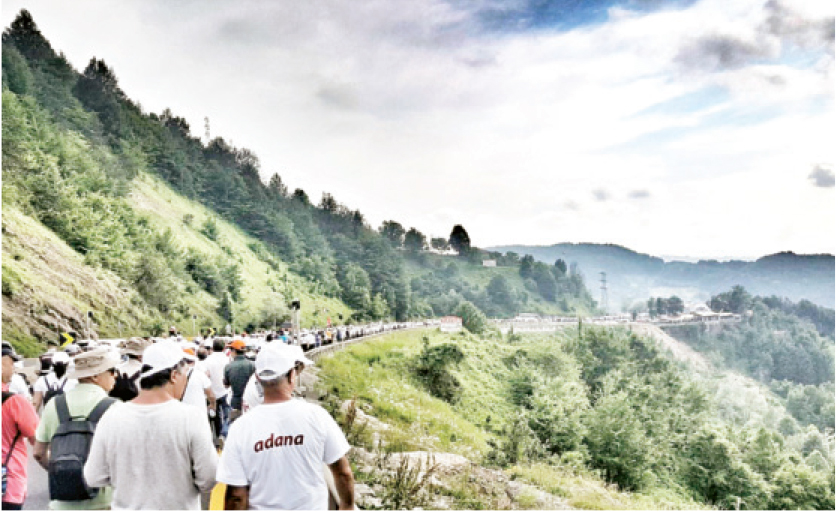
155	456
18	386
50	380
215	364
252	395
194	393
279	449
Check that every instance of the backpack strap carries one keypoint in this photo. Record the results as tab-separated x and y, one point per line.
100	409
62	409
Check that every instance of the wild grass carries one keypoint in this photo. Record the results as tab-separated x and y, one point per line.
585	490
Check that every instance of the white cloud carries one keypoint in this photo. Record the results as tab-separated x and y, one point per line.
409	112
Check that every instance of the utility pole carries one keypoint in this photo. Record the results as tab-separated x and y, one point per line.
604	293
207	129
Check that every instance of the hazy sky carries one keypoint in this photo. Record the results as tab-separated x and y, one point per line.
690	128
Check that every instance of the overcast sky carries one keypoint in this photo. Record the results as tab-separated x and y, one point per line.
688	128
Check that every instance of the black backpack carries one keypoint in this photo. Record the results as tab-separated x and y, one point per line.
54	390
69	449
125	387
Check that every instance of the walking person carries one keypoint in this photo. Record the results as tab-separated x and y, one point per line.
19	424
55	382
274	455
155	451
95	372
215	364
236	375
127	385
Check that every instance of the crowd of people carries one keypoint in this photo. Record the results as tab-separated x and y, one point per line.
157	423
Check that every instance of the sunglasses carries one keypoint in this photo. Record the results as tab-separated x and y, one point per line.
114	372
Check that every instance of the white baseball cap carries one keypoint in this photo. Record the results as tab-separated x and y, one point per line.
162	356
276	359
60	357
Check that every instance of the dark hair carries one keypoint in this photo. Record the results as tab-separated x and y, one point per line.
60	369
158	379
218	345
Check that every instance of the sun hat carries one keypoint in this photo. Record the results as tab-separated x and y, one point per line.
93	362
134	346
189	351
9	350
162	356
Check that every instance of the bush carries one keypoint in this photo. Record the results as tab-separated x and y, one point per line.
432	367
473	319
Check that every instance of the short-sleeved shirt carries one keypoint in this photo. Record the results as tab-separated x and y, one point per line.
80	402
237	374
215	364
18	416
50	380
279	450
195	394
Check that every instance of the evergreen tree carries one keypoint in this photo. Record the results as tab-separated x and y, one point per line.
459	240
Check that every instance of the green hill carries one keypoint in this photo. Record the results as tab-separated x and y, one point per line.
121	212
634	276
598	417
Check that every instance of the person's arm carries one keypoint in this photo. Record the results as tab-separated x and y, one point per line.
203	452
208	391
344	483
37	398
96	470
41	454
236	498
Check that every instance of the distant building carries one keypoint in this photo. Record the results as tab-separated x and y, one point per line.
527	317
490	263
451	324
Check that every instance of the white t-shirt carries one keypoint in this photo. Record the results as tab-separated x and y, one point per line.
279	449
215	364
252	395
194	393
50	380
18	386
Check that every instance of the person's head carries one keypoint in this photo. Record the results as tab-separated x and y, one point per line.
60	363
278	365
10	357
164	366
238	346
218	345
134	347
96	366
201	353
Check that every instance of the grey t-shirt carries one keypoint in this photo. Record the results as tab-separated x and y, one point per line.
156	457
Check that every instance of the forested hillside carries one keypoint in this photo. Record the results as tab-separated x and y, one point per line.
632	276
182	230
576	410
789	347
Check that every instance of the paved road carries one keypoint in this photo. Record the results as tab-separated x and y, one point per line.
38	485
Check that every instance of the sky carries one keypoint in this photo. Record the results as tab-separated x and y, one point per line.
687	129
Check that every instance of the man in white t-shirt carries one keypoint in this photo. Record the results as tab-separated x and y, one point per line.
273	457
214	365
199	389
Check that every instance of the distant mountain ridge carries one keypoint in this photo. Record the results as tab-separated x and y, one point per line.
632	276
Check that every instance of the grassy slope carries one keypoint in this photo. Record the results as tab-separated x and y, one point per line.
377	373
47	286
165	208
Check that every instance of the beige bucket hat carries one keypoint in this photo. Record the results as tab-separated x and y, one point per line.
94	362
